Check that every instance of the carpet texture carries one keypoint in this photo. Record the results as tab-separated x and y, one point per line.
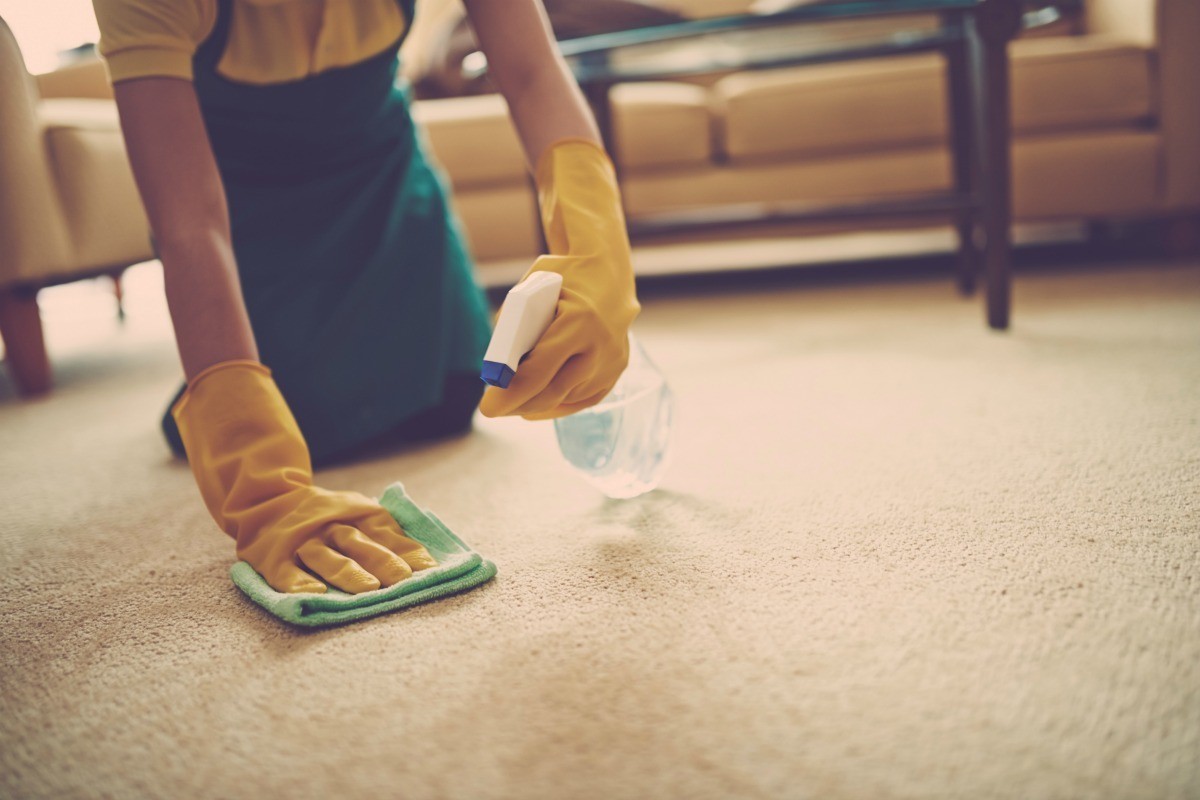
896	556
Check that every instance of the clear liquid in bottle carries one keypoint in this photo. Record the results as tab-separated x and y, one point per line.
621	444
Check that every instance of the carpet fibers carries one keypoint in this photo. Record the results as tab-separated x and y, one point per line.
896	556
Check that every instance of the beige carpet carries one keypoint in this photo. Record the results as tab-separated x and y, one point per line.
897	556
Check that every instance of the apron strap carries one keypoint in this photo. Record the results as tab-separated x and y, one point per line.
209	53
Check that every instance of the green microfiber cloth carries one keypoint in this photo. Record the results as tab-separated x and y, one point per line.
459	568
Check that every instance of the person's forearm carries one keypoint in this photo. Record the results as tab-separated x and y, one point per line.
524	63
549	107
185	204
205	299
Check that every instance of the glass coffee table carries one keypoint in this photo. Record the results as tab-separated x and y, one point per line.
973	36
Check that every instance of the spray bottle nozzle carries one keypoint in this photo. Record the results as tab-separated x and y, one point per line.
527	313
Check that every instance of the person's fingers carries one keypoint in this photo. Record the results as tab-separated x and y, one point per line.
335	569
534	373
376	559
293	580
566	408
578	370
610	364
597	387
576	388
388	534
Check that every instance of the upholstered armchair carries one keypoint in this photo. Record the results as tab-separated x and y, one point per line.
69	208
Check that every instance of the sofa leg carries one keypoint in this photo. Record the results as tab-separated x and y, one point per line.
24	344
119	293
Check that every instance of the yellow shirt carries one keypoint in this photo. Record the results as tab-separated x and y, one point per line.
270	41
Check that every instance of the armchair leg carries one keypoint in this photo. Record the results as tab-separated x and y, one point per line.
119	293
24	344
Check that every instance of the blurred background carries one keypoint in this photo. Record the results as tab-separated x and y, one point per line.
929	527
750	135
53	33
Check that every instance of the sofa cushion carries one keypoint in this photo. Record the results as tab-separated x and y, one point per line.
473	139
661	125
707	8
95	183
1091	173
1059	83
79	112
657	125
500	222
1073	83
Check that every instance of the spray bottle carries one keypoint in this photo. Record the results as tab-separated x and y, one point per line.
619	445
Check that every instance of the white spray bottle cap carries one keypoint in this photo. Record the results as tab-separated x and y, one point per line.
527	313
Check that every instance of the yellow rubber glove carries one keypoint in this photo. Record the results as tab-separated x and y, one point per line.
253	469
581	355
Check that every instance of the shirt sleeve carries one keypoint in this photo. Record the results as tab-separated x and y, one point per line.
152	38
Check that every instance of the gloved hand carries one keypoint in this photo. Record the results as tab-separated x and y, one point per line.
253	469
581	355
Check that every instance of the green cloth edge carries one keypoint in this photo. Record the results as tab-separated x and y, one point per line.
460	569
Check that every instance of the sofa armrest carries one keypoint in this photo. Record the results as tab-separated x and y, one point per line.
1172	28
33	234
86	78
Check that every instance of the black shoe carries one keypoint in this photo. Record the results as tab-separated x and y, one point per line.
171	430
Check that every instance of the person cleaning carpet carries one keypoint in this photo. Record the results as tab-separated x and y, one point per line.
319	288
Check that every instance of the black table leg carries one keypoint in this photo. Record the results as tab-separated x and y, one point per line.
989	29
963	161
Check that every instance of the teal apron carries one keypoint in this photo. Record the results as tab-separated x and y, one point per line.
358	285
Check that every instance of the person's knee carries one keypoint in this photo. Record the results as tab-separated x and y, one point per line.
461	398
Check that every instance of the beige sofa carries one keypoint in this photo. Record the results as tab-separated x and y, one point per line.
1107	125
